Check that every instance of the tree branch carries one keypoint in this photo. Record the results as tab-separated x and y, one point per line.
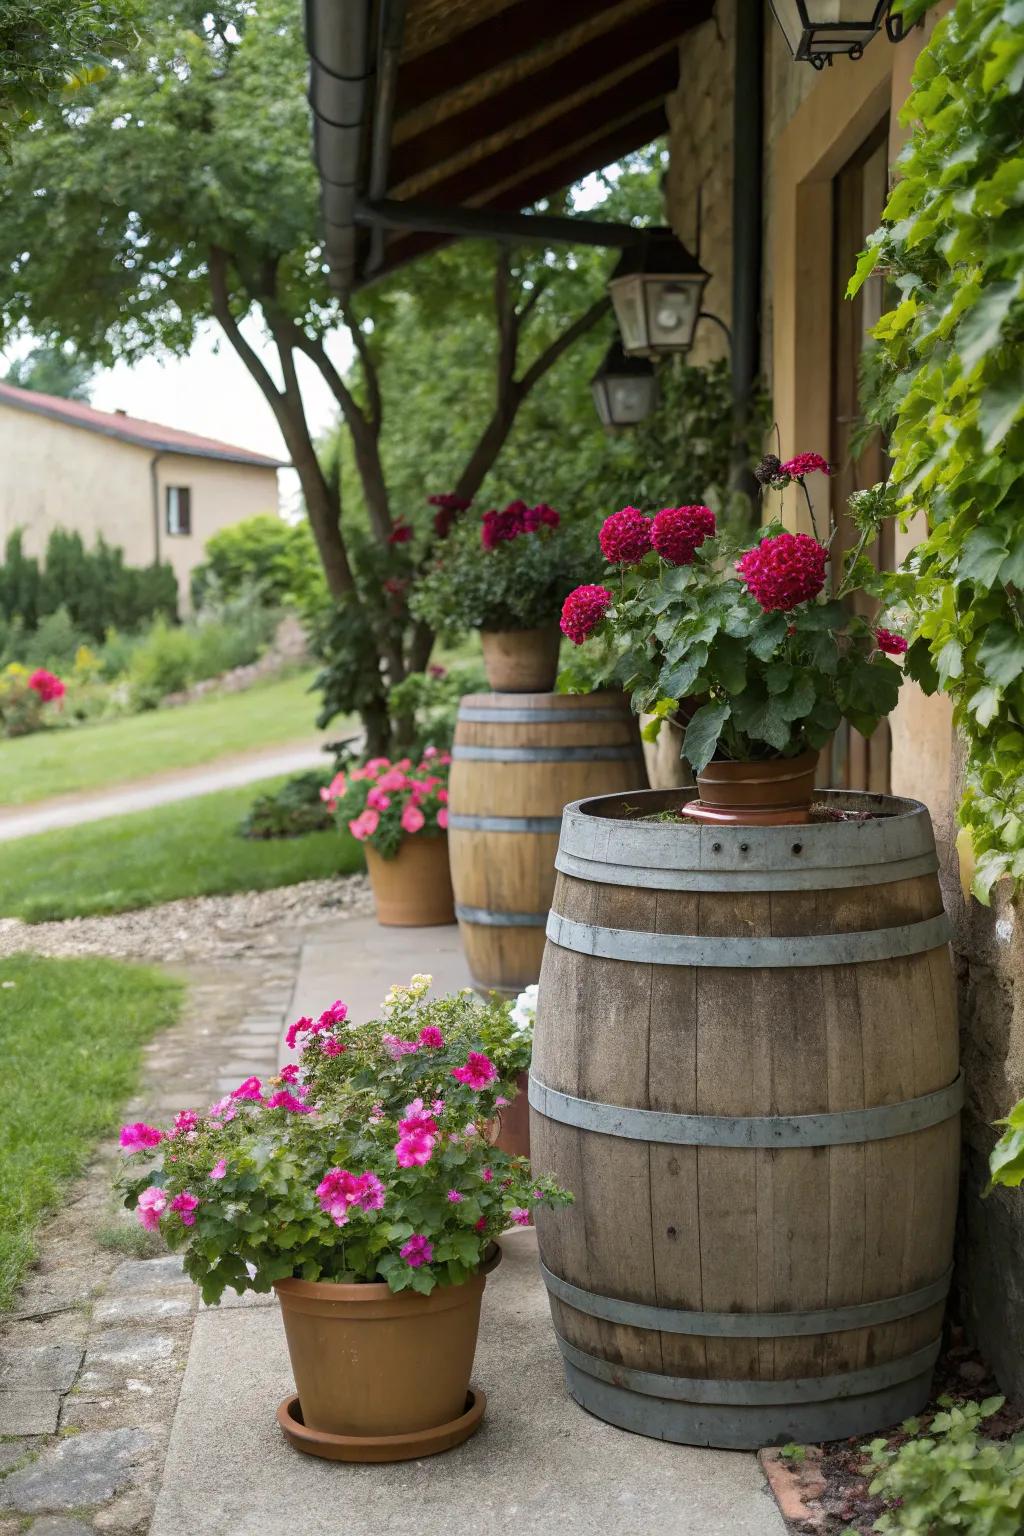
218	269
369	367
549	357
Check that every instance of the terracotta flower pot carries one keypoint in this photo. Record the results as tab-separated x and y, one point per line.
521	660
414	889
380	1373
777	792
513	1129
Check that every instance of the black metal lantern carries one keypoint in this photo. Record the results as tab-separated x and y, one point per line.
656	291
625	389
816	30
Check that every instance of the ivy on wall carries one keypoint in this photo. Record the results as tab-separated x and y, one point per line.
947	384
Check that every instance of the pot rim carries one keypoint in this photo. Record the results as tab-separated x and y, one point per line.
377	1291
766	766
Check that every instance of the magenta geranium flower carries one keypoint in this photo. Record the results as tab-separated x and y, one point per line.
219	1169
185	1204
583	610
678	532
140	1137
417	1251
414	1150
282	1099
250	1089
47	685
625	537
784	570
432	1038
890	643
151	1205
805	464
478	1071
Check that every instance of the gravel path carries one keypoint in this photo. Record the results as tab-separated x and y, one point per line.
202	927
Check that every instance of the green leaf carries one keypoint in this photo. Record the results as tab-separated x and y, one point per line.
981	326
728	663
1001	405
767	634
1001	655
949	662
983	557
676	681
703	731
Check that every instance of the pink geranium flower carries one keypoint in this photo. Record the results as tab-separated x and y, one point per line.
432	1037
477	1072
417	1119
47	685
185	1205
413	819
414	1150
519	1216
151	1205
250	1089
397	1048
454	1198
364	825
417	1251
377	800
393	780
289	1074
219	1169
295	1030
332	1046
140	1137
282	1099
339	1190
442	819
184	1121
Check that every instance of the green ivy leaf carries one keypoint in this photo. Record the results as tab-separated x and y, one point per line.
983	557
703	731
1001	655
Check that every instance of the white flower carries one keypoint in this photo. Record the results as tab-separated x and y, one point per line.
523	1011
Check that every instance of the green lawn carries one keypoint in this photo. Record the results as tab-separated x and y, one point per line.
189	848
94	756
71	1033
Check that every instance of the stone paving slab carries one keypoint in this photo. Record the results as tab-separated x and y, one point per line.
358	960
24	1411
538	1465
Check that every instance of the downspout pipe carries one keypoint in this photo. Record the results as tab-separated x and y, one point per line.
747	231
340	76
154	489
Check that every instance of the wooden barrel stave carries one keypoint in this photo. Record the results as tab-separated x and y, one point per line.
517	760
719	1229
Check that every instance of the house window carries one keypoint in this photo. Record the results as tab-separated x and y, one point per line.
179	510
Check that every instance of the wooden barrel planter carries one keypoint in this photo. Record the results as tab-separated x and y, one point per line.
517	760
745	1066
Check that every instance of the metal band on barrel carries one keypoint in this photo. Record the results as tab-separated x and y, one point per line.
478	715
843	1128
594	754
700	950
748	1325
488	918
746	1394
549	824
799	878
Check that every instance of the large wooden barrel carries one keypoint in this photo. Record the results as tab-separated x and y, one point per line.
518	759
745	1067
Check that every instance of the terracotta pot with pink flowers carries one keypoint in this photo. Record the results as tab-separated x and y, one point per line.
399	812
361	1186
759	650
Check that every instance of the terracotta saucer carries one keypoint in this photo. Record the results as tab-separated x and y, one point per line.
422	1442
751	816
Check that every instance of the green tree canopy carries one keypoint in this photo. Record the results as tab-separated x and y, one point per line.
53	370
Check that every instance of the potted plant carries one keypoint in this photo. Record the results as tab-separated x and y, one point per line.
360	1187
743	645
399	812
506	575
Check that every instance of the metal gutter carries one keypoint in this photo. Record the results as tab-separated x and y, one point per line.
389	56
747	222
338	42
495	223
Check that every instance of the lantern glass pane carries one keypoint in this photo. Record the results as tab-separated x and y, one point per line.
630	400
672	314
787	14
599	390
627	301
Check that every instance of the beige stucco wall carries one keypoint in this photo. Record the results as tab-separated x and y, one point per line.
56	475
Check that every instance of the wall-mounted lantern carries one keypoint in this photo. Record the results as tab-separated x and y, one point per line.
625	389
816	30
656	291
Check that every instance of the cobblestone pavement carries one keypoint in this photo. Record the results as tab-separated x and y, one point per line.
91	1360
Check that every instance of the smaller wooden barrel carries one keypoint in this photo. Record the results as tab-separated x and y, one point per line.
518	759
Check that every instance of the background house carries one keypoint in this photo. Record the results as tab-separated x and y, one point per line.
154	491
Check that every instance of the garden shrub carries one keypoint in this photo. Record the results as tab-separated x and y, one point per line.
952	1480
95	587
170	658
291	811
54	644
429	701
278	559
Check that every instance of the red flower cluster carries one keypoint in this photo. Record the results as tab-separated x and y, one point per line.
583	610
448	508
401	533
892	645
46	685
625	536
805	464
678	532
783	571
517	518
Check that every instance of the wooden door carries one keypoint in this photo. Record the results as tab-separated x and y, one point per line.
859	195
